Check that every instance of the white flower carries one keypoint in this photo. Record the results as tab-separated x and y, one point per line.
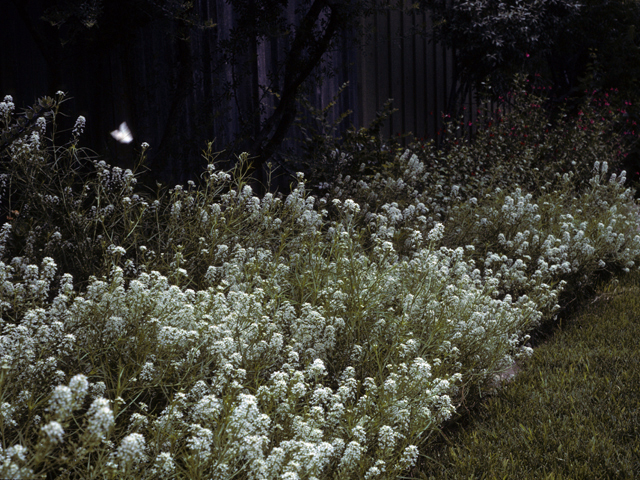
138	420
79	126
79	386
100	418
61	402
54	431
316	369
436	233
359	434
376	470
351	455
386	437
201	442
7	106
409	456
163	465
6	414
131	449
351	206
206	409
114	250
246	418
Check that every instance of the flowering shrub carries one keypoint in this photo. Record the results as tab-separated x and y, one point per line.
222	334
325	156
519	143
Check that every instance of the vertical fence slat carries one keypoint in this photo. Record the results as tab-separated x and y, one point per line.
383	52
420	80
431	111
409	76
368	85
396	72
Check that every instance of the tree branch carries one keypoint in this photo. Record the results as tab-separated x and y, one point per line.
296	72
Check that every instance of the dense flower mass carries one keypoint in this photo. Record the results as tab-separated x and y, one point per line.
220	334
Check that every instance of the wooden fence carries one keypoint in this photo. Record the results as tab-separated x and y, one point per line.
170	91
392	62
417	73
397	63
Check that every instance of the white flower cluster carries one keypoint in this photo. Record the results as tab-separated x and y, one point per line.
115	180
78	128
28	149
240	331
309	349
7	107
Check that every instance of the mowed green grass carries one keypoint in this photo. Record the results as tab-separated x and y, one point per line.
573	411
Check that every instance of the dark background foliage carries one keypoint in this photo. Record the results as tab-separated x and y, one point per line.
185	73
179	73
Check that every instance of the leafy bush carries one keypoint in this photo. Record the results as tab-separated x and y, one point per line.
520	143
60	201
326	157
209	332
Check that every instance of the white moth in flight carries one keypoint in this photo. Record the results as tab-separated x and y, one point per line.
123	134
